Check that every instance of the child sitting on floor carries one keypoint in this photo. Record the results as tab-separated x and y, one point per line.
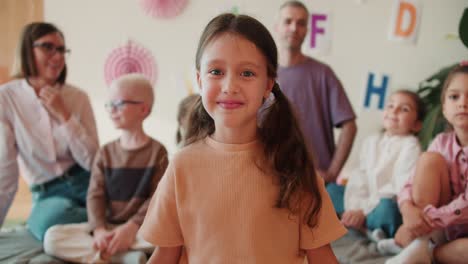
368	202
123	178
435	200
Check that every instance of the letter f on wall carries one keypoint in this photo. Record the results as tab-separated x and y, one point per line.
315	29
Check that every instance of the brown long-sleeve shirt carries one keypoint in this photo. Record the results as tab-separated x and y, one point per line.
123	181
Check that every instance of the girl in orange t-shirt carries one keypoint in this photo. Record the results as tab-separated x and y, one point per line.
244	188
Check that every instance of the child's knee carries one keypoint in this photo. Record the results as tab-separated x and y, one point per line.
432	160
51	239
52	211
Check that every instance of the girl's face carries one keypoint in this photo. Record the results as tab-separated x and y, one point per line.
455	106
401	115
49	61
233	80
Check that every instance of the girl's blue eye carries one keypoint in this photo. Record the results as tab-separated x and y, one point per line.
247	74
453	97
215	72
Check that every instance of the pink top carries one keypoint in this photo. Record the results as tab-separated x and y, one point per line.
454	215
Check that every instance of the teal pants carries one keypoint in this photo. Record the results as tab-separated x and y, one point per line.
385	216
60	201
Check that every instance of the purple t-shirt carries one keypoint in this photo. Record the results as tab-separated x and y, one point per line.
320	103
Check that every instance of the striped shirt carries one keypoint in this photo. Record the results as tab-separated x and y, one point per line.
123	181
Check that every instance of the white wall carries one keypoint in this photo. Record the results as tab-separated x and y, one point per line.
359	45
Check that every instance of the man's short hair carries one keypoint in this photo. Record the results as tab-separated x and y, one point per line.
294	3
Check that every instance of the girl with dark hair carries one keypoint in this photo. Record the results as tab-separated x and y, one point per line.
434	201
244	189
47	129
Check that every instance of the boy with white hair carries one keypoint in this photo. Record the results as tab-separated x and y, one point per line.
123	179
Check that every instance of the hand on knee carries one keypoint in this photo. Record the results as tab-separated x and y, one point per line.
404	237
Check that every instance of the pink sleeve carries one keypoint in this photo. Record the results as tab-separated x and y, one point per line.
456	212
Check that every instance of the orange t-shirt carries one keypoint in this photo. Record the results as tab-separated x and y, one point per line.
216	202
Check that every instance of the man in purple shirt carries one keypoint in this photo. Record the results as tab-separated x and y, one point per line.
316	93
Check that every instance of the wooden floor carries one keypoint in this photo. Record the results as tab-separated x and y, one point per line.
21	207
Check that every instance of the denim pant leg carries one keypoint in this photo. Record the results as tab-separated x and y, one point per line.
62	203
386	216
336	193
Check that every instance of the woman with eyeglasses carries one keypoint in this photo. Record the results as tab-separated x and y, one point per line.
47	131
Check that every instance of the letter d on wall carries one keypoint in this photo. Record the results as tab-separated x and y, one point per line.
405	21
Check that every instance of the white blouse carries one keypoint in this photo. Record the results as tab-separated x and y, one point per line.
31	139
386	162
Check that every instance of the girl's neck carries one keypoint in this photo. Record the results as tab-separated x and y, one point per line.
133	139
462	136
235	136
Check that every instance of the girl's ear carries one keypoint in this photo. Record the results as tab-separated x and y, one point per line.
269	88
417	126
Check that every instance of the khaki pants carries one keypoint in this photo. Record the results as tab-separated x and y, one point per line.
74	242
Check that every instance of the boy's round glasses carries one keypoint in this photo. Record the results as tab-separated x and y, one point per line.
119	104
50	49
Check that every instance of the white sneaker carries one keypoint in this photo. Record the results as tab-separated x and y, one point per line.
376	235
418	252
388	247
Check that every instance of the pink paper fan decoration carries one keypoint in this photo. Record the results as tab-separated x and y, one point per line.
130	58
163	8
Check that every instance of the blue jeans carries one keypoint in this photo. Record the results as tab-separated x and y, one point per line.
59	201
385	216
336	193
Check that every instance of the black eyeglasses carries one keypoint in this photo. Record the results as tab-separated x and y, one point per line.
119	104
51	49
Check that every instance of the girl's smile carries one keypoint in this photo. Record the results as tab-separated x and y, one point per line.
230	104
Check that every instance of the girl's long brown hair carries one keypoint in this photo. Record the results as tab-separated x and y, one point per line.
284	145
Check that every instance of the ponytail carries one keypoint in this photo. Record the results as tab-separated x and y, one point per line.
200	123
286	152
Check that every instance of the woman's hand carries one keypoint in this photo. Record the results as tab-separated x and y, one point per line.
52	99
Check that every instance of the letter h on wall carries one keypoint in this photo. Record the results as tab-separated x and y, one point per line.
379	91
